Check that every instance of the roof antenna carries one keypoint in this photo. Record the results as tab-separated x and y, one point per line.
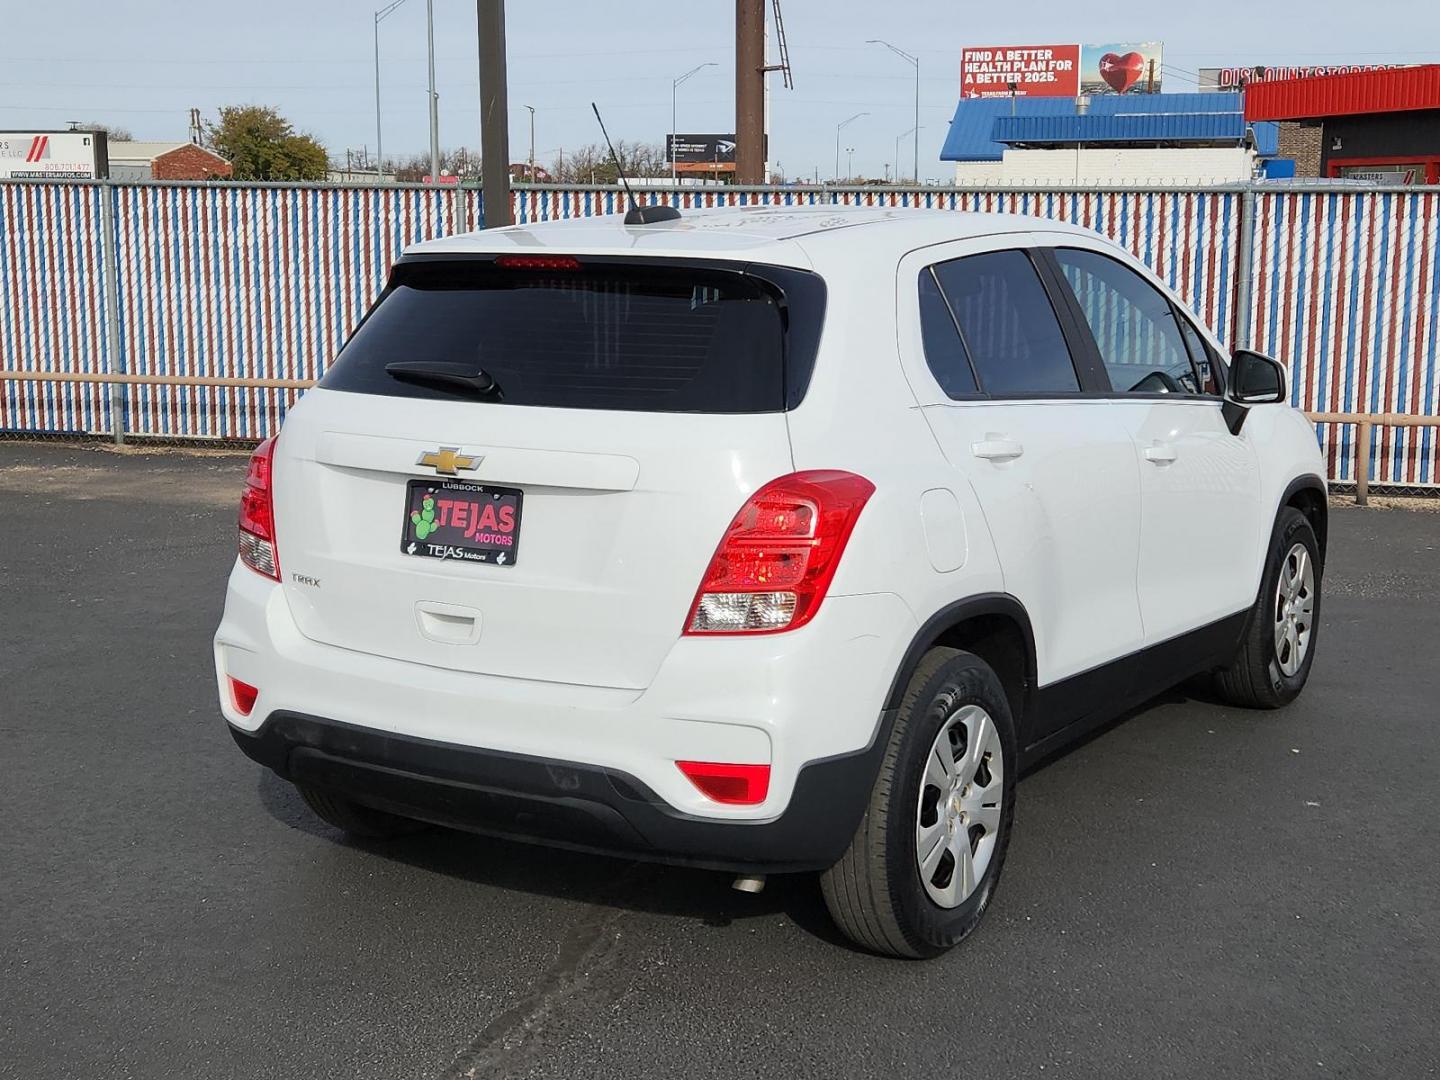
637	214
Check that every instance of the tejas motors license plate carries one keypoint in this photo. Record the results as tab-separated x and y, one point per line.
452	519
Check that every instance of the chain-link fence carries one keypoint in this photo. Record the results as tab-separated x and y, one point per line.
245	284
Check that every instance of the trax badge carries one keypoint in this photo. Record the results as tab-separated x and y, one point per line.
448	461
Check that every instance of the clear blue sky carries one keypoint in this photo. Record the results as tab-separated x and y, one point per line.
143	63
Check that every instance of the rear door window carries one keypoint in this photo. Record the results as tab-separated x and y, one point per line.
1008	324
643	337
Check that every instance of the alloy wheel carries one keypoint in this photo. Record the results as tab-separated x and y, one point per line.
1294	609
957	820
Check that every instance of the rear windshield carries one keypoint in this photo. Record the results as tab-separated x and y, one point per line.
642	337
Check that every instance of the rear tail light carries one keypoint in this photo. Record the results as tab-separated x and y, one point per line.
777	558
243	694
257	513
737	784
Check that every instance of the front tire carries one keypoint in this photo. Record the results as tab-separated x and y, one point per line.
1273	662
923	864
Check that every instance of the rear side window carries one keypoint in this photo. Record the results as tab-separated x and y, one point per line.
944	351
642	337
1008	325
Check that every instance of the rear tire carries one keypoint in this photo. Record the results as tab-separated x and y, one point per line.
1274	659
356	819
895	891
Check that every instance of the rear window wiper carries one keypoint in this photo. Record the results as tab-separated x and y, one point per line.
466	377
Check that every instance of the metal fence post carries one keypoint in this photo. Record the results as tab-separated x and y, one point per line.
110	275
1244	259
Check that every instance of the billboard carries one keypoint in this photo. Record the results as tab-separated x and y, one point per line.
1060	70
1235	78
53	155
1024	70
690	149
1120	68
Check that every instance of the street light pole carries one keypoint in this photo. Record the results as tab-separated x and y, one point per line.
674	88
838	127
915	60
898	138
849	163
531	177
434	97
380	16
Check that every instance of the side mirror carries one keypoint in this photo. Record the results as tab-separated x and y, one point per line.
1256	379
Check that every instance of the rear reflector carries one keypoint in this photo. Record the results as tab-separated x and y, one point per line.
742	785
257	513
537	262
777	558
243	694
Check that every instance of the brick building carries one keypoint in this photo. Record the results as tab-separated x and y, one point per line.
1378	126
165	161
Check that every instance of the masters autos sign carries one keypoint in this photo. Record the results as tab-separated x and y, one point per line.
52	155
1059	70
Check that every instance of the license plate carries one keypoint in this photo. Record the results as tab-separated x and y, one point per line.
452	519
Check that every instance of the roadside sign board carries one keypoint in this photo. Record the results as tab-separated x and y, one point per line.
53	155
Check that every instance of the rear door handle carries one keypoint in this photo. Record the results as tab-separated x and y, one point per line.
995	448
1160	453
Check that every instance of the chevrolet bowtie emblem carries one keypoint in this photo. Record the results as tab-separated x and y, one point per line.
448	461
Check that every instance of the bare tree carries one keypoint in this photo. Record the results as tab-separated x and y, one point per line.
592	164
460	161
112	132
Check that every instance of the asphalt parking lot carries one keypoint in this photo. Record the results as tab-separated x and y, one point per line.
1196	892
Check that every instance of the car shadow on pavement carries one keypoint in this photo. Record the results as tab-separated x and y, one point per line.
704	896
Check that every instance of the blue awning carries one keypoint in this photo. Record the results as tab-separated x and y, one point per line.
1133	128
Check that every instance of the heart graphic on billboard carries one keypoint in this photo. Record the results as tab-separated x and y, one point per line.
1122	72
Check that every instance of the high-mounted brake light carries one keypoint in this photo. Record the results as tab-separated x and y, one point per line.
257	513
741	785
537	262
777	558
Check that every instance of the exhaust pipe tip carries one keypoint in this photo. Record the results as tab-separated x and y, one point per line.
749	883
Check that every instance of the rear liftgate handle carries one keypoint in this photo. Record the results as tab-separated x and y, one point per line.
997	448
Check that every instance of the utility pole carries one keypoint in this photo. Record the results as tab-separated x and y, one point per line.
434	97
849	163
1150	85
531	177
749	91
916	61
674	89
494	113
838	128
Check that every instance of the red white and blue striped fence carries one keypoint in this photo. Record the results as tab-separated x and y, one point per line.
263	282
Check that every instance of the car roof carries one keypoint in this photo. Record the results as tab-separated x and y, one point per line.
789	235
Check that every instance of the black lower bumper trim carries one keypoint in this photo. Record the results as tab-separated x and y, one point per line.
561	802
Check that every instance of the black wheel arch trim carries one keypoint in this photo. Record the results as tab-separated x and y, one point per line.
1309	482
956	614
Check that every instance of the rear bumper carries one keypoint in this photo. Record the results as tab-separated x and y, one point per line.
562	803
797	702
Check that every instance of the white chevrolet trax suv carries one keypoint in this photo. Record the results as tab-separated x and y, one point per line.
764	540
